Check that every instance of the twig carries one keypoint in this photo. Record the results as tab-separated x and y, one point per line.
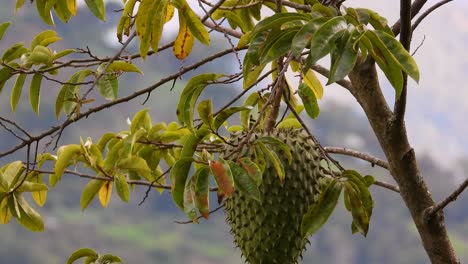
153	182
387	186
415	8
427	12
101	107
357	154
431	211
198	217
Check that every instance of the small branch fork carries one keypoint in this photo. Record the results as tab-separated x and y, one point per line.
432	211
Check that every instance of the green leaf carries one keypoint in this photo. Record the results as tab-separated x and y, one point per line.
45	14
61	9
277	20
202	192
108	86
81	253
193	22
27	186
34	92
123	66
14	52
12	173
63	53
362	189
141	120
4	27
205	111
314	83
149	24
125	19
16	91
5	74
223	176
121	186
386	61
136	164
303	37
226	113
290	123
309	100
189	97
274	160
19	4
252	100
97	8
319	212
41	37
404	59
274	142
358	211
323	40
279	47
89	192
28	217
66	155
111	259
179	174
244	182
66	99
344	56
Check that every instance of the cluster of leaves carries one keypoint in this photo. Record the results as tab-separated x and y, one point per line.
149	23
342	34
92	257
39	60
64	9
14	182
357	200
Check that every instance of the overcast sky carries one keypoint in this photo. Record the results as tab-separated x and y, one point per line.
437	106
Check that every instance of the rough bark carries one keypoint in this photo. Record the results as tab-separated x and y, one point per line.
393	139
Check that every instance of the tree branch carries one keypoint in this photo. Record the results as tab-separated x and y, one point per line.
431	211
427	12
357	154
405	39
101	107
415	8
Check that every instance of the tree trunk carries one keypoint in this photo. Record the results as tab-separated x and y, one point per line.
402	160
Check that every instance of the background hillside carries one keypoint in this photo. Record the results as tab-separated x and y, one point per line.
148	233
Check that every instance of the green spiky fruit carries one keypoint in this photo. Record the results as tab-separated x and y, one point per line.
268	231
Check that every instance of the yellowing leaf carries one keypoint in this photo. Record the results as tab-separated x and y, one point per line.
34	92
3	28
314	83
184	41
5	214
223	176
71	5
169	12
39	197
149	24
97	7
121	186
123	66
89	192
195	25
105	193
66	154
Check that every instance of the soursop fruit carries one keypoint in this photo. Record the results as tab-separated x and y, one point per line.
268	231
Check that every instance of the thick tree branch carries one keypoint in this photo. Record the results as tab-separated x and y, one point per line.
431	212
402	163
357	154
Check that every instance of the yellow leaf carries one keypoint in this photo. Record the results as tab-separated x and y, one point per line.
71	4
5	214
39	197
105	193
169	12
313	82
184	41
